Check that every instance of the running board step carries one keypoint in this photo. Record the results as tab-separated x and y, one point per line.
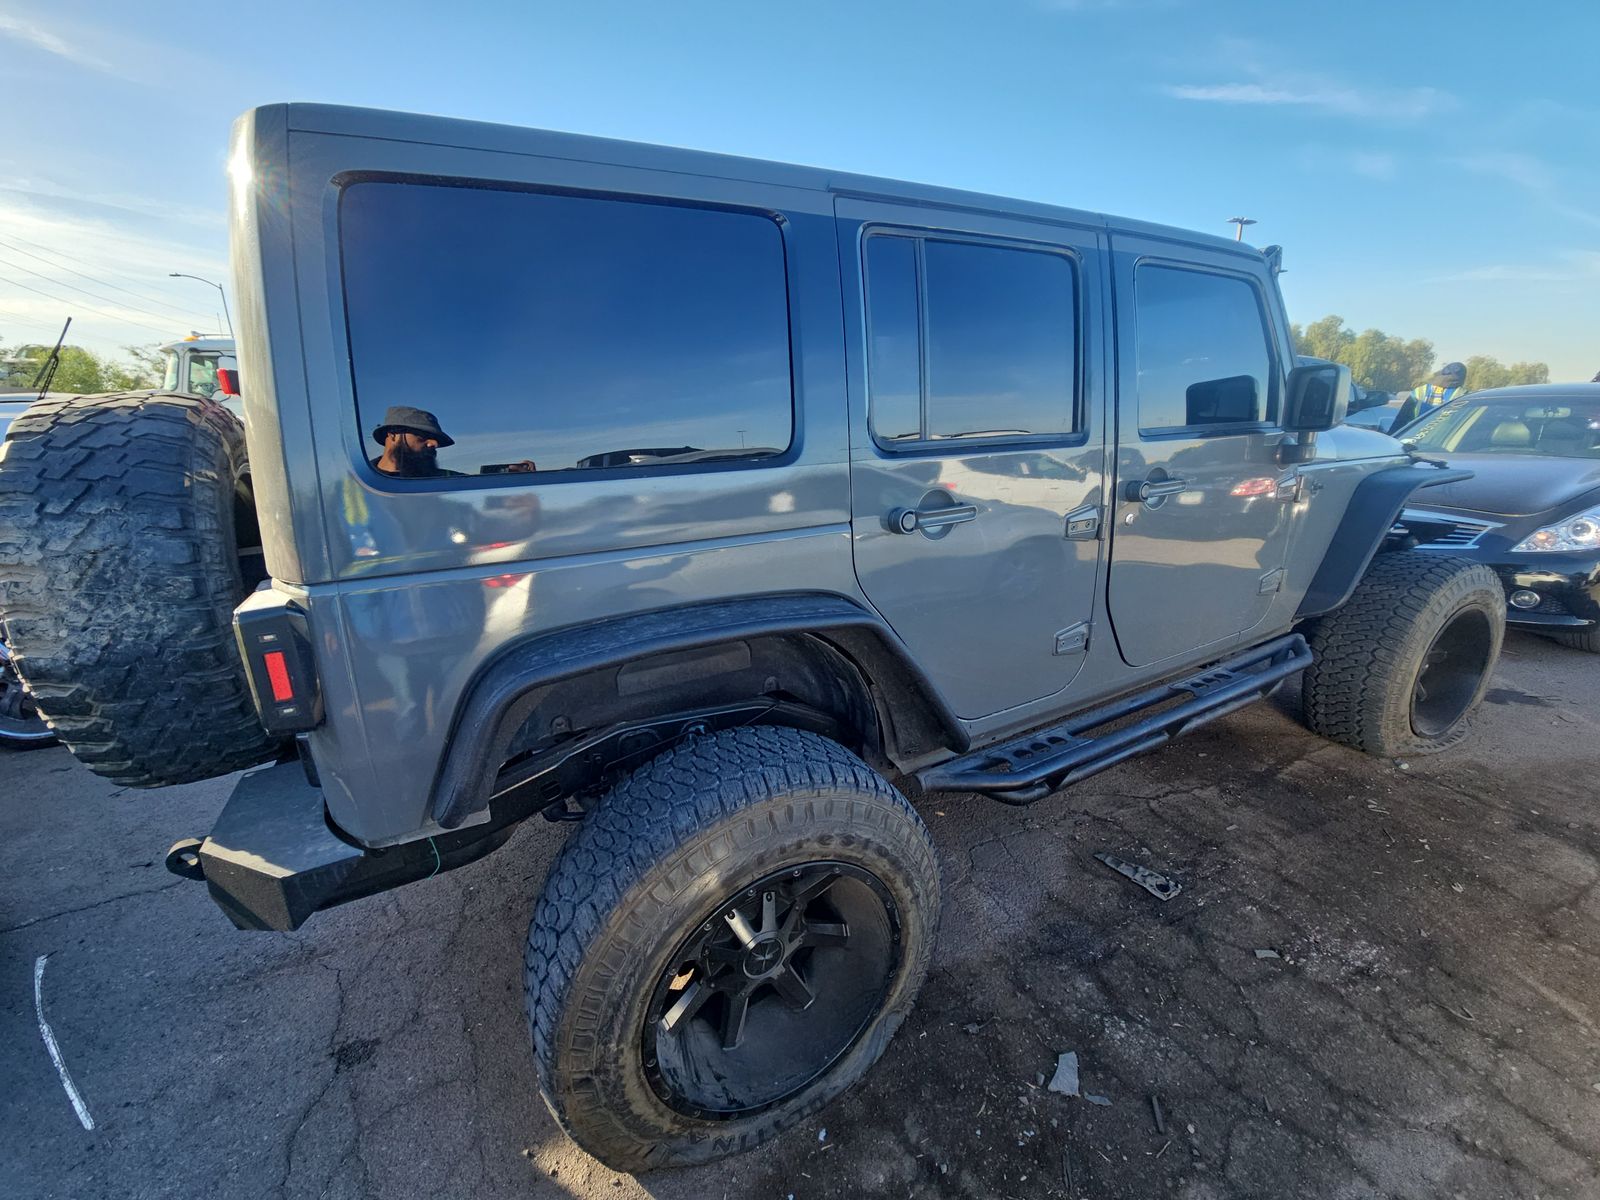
1029	768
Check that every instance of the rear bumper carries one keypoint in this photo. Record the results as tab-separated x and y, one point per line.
273	859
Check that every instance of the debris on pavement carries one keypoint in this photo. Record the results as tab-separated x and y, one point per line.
1102	1101
1155	1111
1065	1080
1154	882
1268	954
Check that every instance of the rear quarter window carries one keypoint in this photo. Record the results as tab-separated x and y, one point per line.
532	333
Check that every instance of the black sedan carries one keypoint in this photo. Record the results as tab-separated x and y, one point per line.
1531	509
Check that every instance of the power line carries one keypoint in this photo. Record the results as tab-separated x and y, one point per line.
167	332
74	258
85	291
183	313
13	317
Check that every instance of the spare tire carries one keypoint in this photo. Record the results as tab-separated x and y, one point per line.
120	567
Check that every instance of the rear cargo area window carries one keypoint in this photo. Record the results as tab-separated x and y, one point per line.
1203	354
968	340
515	332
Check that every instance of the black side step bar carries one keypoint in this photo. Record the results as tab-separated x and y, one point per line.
1029	768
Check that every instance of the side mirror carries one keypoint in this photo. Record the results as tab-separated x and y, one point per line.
1318	399
227	381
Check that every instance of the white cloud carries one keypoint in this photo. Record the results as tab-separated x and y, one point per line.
1573	266
19	30
1373	164
1532	175
105	264
1322	95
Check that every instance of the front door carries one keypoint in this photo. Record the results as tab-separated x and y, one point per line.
976	431
1201	515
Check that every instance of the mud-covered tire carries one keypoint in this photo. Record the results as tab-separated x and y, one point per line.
1580	639
648	868
1368	686
119	573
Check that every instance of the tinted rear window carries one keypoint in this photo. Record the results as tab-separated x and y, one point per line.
546	333
1204	359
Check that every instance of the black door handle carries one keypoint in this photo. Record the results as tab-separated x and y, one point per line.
1143	491
914	520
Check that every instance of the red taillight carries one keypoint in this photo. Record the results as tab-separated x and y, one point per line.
278	676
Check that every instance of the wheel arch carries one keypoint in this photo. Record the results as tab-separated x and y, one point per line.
1368	517
812	654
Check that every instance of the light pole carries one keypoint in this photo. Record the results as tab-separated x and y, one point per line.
1241	222
220	292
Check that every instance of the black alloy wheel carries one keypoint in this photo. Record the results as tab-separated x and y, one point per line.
1401	667
21	726
772	990
1452	673
727	942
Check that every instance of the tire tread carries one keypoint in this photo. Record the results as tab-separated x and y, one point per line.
118	583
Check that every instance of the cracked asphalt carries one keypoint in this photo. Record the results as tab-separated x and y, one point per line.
1428	1029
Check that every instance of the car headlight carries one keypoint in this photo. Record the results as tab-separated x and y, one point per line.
1580	532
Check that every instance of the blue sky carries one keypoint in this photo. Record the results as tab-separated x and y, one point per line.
1432	169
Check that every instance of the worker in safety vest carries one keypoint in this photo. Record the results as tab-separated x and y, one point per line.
1443	387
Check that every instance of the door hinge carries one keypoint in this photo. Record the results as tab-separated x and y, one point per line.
1083	524
1271	582
1074	639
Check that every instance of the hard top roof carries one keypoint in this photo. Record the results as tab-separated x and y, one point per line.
222	344
446	131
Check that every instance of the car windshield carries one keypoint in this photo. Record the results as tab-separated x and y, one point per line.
1565	427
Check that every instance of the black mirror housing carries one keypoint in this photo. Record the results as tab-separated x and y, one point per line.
1318	399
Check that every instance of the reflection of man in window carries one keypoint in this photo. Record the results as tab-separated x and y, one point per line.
410	439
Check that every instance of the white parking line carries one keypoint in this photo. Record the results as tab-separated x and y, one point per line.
78	1105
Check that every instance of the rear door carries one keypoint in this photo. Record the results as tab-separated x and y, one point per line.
1202	510
976	429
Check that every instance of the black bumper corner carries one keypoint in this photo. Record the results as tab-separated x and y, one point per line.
272	859
1569	595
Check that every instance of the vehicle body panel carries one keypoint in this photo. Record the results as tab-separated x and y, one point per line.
1013	563
1512	494
1197	568
454	571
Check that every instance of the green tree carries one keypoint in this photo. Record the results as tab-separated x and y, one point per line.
1376	359
1486	372
82	371
1327	338
143	369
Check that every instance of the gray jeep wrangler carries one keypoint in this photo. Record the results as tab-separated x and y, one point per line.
769	498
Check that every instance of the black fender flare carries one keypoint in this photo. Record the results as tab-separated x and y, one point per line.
1371	513
499	699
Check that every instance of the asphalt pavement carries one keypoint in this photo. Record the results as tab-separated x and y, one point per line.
1379	980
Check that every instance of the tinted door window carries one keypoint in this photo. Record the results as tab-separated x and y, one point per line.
969	340
525	332
1203	355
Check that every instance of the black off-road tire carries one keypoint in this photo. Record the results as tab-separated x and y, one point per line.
1362	690
651	864
119	573
1580	639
